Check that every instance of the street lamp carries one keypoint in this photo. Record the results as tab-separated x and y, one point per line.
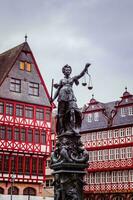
12	182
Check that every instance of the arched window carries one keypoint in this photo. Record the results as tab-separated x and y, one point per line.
15	190
118	198
1	190
29	191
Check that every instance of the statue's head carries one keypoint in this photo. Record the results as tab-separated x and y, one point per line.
66	70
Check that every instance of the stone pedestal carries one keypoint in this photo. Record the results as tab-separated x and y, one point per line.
69	162
69	177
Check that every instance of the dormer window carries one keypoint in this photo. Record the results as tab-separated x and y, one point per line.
126	100
130	110
25	66
123	112
90	117
96	116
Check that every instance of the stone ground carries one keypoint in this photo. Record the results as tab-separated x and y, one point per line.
25	197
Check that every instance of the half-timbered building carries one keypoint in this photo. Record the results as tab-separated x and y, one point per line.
25	123
107	133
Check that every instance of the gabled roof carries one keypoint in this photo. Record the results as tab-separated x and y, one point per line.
7	59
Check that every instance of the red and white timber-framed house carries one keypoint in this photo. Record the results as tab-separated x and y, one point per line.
25	122
107	133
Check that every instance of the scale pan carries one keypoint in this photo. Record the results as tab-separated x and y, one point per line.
90	87
84	84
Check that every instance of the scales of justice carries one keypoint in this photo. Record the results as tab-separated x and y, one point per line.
69	159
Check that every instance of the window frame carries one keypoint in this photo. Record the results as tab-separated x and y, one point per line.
15	85
33	89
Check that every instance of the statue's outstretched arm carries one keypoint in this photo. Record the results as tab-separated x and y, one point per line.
83	72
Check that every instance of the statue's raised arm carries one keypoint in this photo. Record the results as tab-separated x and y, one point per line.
83	72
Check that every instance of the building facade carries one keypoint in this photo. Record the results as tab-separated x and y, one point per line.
25	123
107	133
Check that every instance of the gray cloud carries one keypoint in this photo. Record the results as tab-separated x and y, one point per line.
75	32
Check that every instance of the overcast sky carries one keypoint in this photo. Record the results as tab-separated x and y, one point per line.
75	32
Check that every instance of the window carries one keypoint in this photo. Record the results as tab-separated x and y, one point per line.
48	115
9	109
40	166
19	110
123	112
94	155
90	156
114	177
29	191
29	112
130	110
97	177
117	153
28	67
100	155
13	163
122	132
23	135
99	135
9	133
2	133
123	153
131	175
125	176
128	131
43	137
110	134
34	165
37	136
116	133
103	177
49	183
40	114
15	85
111	154
105	154
30	135
96	116
129	152
92	178
6	163
27	164
90	117
25	66
20	163
33	89
94	136
15	190
120	176
1	158
108	177
105	135
1	107
21	65
16	134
